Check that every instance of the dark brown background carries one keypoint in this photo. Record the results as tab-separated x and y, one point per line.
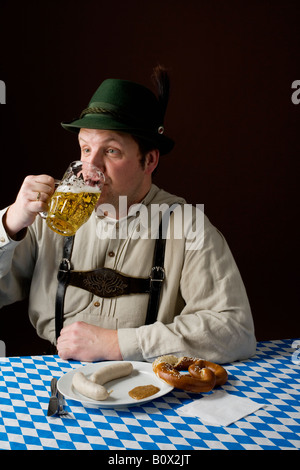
237	131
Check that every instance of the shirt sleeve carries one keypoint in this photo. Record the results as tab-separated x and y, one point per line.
15	271
216	322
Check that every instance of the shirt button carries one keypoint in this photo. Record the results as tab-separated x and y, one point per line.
111	254
97	304
2	239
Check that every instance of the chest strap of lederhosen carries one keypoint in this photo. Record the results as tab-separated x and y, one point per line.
107	283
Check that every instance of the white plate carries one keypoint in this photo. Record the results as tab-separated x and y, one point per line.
142	374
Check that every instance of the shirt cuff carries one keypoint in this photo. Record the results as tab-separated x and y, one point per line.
128	345
4	238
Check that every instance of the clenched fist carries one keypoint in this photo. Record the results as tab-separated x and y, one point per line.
32	198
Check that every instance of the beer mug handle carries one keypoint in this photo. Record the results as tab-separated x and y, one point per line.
44	214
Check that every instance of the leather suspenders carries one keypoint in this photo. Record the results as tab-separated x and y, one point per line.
62	277
157	277
107	283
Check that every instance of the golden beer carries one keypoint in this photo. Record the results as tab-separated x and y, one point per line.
69	210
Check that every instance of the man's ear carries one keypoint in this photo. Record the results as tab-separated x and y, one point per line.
151	161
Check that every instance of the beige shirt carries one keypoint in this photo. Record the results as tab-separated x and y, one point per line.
203	312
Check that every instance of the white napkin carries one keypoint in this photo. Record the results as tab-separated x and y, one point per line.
219	408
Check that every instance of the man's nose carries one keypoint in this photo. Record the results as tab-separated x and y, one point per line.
96	158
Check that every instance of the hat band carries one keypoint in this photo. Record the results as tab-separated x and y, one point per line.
97	110
121	117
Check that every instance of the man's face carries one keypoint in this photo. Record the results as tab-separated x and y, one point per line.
117	155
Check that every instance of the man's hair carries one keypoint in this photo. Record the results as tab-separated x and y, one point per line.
144	148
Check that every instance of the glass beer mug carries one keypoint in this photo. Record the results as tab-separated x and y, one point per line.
75	198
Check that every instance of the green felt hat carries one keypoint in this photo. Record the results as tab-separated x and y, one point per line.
125	106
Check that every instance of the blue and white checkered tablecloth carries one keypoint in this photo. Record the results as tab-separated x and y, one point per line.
271	377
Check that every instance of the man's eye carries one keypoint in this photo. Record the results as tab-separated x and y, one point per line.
112	151
86	150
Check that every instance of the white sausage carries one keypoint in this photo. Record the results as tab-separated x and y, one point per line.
90	389
111	372
93	387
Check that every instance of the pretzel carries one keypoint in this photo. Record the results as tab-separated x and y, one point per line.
219	371
203	375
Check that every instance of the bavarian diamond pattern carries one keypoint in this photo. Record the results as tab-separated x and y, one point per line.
271	377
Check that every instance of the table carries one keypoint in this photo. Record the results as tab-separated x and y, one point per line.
271	377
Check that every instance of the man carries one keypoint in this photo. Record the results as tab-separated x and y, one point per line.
201	308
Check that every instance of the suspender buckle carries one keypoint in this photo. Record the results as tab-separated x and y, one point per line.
157	274
65	265
64	269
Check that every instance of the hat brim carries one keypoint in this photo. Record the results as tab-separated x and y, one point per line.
106	122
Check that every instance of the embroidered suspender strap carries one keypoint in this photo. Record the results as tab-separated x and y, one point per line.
107	283
62	276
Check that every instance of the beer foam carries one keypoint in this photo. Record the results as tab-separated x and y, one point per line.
74	185
84	188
